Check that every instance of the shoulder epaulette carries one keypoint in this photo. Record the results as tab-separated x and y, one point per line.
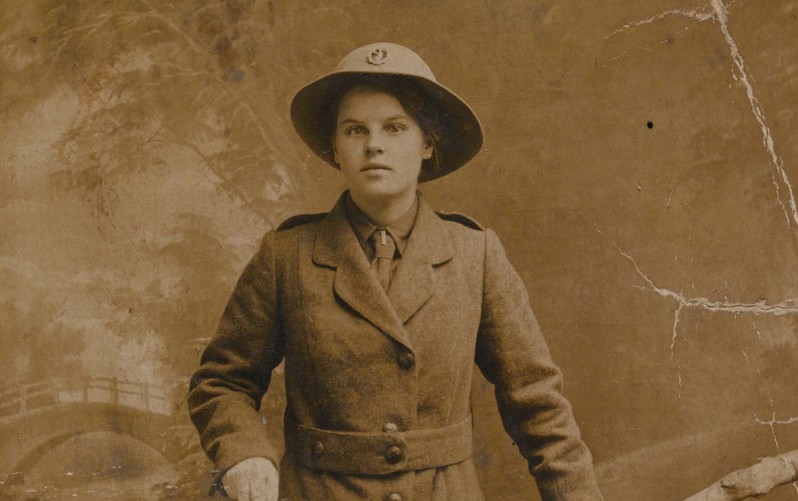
460	218
300	219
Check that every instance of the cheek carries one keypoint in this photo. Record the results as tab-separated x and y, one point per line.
420	149
342	151
334	143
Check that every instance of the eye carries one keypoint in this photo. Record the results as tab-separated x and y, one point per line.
395	128
355	130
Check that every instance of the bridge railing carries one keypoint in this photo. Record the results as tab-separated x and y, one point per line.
144	396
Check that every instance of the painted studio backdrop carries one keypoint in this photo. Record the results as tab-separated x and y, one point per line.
640	167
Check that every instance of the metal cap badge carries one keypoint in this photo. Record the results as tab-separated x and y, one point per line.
377	56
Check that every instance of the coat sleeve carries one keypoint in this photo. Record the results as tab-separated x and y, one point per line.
235	368
512	355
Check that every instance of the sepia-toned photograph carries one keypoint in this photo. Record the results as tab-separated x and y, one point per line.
273	250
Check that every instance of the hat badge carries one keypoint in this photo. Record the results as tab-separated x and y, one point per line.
377	56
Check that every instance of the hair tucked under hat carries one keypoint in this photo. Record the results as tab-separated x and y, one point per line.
390	66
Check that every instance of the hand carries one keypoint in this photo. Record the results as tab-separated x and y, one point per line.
253	479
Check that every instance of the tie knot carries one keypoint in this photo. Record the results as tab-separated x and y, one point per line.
384	245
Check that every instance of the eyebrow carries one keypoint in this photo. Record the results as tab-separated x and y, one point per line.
389	119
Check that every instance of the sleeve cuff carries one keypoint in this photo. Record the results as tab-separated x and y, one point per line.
575	486
241	445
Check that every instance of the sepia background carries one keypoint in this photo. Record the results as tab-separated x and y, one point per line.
639	166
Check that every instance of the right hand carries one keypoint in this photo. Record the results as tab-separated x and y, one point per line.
253	479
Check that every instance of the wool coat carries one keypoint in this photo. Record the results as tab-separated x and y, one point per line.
378	383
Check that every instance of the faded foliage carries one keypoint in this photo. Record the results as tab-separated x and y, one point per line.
182	87
150	91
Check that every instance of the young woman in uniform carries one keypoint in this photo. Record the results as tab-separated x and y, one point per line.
379	309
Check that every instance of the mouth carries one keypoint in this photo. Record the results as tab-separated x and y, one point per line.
374	167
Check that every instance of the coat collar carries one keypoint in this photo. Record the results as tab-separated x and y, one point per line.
413	283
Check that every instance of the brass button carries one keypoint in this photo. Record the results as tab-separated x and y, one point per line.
394	454
406	360
390	427
394	496
318	450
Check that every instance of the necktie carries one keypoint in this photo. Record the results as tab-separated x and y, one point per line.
384	249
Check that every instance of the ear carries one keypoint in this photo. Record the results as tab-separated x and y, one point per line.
335	153
428	149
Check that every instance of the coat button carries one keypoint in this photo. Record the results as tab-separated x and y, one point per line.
394	454
318	450
406	360
390	427
394	496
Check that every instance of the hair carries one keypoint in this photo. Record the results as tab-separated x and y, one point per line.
410	97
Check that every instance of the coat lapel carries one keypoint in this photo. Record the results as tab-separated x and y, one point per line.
427	246
413	283
337	247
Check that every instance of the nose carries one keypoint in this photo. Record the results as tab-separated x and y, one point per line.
373	146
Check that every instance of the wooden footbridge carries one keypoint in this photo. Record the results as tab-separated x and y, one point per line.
37	417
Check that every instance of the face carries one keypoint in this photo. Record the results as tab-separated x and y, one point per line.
378	146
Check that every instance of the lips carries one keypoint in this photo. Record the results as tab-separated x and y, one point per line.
373	167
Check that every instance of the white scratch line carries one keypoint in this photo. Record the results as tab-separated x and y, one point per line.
773	421
694	14
722	15
786	307
676	317
772	424
775	438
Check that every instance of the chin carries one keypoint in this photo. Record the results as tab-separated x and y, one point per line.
372	194
377	192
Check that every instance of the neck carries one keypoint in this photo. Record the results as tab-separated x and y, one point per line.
384	211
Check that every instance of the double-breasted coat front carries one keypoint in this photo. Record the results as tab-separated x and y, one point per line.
378	383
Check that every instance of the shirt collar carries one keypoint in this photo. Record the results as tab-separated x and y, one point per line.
400	229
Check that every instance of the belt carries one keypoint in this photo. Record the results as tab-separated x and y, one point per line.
377	453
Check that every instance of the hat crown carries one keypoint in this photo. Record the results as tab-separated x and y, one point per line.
385	57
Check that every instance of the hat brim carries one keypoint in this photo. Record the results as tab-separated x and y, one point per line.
460	132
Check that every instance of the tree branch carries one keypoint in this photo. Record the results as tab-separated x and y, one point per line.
754	481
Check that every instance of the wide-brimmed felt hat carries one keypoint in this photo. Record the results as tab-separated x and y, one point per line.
460	134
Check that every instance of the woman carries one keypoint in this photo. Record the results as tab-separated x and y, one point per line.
380	309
